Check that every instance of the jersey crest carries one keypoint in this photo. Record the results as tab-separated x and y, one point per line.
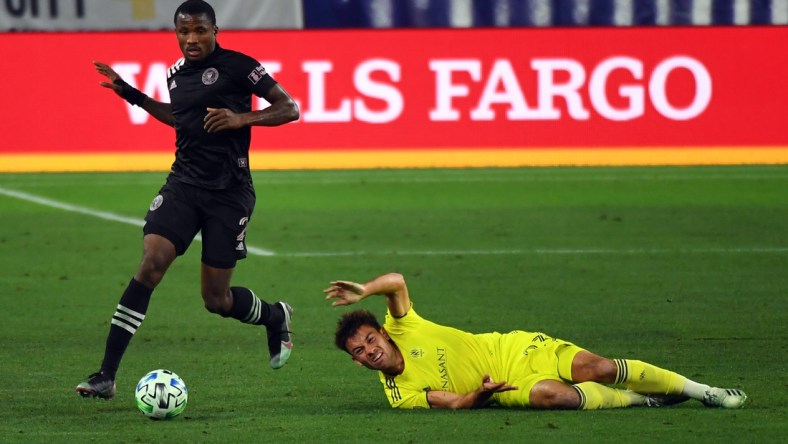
210	76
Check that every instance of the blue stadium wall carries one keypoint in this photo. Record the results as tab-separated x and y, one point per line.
515	13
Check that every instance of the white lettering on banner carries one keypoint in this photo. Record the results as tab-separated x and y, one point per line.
548	89
362	79
445	89
656	88
503	87
502	74
598	94
155	86
317	112
453	77
363	83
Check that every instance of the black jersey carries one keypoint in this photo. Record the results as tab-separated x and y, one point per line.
225	79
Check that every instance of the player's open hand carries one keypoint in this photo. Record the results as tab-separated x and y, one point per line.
219	119
110	74
345	292
490	386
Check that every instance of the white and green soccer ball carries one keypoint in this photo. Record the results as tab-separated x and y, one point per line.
161	394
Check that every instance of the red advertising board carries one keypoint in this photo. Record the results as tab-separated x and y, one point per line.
422	97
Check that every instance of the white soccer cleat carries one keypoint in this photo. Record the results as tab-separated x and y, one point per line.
280	338
725	398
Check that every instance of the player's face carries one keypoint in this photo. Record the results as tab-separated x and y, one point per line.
196	36
372	349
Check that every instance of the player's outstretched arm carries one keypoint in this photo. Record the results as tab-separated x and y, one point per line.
159	110
477	398
391	285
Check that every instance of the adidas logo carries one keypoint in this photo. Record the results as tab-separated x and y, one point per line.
173	85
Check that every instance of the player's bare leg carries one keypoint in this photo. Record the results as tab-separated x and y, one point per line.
242	304
158	253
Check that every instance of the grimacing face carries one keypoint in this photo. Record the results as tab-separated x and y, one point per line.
372	349
196	36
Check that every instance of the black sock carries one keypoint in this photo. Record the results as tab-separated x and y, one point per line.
127	318
250	309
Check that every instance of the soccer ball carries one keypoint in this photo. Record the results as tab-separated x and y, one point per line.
161	394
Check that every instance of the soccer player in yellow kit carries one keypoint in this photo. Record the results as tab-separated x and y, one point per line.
422	364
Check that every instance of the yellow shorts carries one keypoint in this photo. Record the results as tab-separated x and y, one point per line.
530	357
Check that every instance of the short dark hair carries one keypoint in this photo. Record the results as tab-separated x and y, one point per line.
349	324
195	7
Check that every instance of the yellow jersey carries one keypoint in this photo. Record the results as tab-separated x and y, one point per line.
447	359
436	358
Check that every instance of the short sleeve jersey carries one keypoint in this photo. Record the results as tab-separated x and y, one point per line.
225	79
436	358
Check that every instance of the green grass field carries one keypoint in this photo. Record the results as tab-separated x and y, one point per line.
686	268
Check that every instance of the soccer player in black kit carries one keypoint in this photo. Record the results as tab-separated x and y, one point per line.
209	188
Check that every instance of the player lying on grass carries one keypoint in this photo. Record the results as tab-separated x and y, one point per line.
425	365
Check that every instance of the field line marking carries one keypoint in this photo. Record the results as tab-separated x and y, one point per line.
71	208
542	251
105	215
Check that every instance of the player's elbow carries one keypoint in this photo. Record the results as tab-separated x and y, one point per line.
449	401
396	279
457	404
292	113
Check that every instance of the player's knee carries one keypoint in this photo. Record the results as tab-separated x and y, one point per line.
155	263
594	368
216	302
553	395
150	273
212	305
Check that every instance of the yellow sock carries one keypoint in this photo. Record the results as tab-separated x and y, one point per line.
645	378
597	396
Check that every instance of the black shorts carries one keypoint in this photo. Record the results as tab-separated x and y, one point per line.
180	211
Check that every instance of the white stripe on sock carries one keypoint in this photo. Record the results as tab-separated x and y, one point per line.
254	313
131	312
124	326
